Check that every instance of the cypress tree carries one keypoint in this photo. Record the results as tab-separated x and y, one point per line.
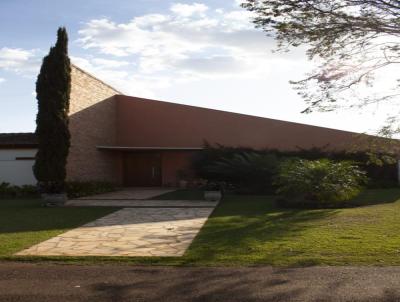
53	88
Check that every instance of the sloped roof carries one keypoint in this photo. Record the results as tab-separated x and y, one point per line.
18	140
150	123
144	122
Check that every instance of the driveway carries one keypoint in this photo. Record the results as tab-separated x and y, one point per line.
45	282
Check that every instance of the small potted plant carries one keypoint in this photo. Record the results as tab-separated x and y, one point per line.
213	191
183	179
53	193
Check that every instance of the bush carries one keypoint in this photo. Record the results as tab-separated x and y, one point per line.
11	191
248	172
318	183
382	171
76	189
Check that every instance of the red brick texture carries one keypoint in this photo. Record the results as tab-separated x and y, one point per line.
92	122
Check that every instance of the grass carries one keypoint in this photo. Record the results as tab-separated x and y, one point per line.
253	231
243	230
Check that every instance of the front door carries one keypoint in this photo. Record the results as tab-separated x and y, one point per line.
142	169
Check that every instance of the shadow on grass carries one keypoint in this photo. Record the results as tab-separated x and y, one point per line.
19	215
239	227
246	229
376	196
365	198
242	229
28	215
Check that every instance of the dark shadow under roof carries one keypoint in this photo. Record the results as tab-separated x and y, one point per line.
128	148
18	140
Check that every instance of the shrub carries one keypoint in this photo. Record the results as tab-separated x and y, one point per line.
76	189
382	173
248	172
11	191
318	183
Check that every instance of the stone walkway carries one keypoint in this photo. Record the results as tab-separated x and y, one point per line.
129	232
141	203
129	194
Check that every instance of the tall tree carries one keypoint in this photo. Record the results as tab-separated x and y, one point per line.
53	88
355	42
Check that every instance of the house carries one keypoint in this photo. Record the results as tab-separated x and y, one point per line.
17	155
141	142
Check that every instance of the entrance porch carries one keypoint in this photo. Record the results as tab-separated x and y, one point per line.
152	166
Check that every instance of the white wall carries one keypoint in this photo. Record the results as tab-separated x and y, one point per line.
17	172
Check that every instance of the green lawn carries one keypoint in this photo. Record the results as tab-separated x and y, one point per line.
243	230
251	230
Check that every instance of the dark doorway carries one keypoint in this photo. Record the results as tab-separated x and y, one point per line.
142	169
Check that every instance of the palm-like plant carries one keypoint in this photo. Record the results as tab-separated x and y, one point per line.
245	169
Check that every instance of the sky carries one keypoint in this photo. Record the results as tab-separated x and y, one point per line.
204	53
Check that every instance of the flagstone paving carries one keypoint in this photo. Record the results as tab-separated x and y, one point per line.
129	232
140	203
129	194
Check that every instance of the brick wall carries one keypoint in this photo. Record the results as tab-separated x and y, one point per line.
92	123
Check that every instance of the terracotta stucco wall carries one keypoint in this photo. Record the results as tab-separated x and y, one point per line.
172	162
165	124
92	123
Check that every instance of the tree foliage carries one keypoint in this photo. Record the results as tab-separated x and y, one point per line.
354	41
53	88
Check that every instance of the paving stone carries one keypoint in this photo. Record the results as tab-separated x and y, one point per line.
129	193
129	232
139	197
142	203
